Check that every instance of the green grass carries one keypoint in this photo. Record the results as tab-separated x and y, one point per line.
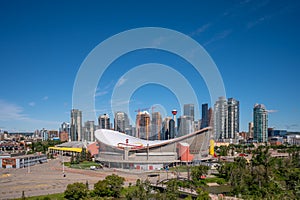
82	165
215	180
219	189
59	196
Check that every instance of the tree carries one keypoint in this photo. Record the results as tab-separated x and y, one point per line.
77	158
172	190
89	156
111	186
101	189
202	195
72	160
76	191
141	191
115	183
199	171
83	154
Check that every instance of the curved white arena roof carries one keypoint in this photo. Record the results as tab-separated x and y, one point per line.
121	140
117	139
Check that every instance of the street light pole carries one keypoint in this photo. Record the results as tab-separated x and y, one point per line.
28	165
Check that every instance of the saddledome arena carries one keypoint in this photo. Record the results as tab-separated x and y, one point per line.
119	150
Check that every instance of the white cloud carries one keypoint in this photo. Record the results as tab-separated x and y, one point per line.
201	29
101	93
219	36
45	98
121	81
32	104
12	114
103	90
10	111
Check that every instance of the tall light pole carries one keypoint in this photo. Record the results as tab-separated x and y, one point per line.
63	163
28	165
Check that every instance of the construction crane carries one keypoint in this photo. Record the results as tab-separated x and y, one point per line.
141	109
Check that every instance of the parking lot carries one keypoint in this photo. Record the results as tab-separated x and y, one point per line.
48	178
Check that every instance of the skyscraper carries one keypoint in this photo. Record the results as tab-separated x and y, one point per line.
143	125
226	118
104	122
233	118
121	122
171	129
76	125
156	123
185	125
205	117
89	131
189	111
220	119
260	123
165	129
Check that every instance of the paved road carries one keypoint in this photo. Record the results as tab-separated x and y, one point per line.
48	178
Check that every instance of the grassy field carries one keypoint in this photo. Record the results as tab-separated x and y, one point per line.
59	196
82	165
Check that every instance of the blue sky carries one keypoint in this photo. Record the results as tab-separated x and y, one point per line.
255	45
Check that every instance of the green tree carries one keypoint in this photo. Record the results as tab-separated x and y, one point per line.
76	191
88	156
77	158
111	186
83	154
72	160
224	150
115	183
198	171
172	190
202	195
101	189
141	191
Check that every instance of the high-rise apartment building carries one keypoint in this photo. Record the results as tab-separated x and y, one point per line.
156	124
205	117
220	119
185	125
233	118
89	131
45	135
143	125
260	123
121	122
76	125
104	121
189	111
226	119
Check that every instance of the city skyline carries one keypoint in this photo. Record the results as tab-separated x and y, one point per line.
44	43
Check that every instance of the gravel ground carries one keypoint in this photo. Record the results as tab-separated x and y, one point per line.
48	178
